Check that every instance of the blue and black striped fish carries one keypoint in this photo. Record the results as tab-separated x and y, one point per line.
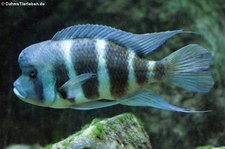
93	66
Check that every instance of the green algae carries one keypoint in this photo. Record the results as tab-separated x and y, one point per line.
49	146
210	147
121	130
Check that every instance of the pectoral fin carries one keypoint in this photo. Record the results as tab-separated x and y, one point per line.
70	87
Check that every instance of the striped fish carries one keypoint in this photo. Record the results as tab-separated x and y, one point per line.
94	66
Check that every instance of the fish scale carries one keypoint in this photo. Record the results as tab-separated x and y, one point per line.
117	66
85	59
103	75
159	71
61	75
141	70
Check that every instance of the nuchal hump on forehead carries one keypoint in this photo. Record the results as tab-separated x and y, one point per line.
43	52
94	66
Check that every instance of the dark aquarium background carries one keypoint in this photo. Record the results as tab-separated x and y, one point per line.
21	26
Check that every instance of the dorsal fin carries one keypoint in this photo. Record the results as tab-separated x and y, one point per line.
141	44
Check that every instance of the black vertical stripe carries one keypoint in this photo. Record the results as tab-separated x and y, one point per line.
38	88
62	77
140	70
117	66
159	71
85	59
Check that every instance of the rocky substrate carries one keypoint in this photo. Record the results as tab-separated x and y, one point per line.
120	132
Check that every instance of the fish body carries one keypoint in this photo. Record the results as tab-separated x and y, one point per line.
93	66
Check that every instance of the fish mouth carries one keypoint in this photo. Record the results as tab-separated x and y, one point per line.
19	94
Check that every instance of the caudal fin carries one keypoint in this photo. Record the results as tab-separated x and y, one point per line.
188	68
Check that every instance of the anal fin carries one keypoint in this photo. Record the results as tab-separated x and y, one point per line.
149	99
95	105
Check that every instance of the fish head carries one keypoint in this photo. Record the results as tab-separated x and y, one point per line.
36	84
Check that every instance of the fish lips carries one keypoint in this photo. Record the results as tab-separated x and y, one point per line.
19	94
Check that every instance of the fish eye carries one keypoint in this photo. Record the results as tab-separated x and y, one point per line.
32	74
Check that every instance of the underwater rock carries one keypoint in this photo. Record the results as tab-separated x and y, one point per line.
24	146
122	131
